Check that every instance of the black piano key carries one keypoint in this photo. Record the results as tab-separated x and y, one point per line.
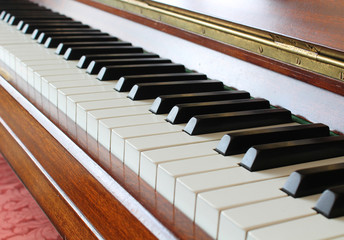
5	8
54	39
314	180
62	47
331	202
116	72
274	155
182	113
152	90
220	122
13	17
22	23
37	32
29	28
96	65
15	20
45	36
16	7
87	59
163	104
240	142
125	83
76	52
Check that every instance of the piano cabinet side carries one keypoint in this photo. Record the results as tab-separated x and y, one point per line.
64	219
76	203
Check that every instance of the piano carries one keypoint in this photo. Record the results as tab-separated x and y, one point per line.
94	148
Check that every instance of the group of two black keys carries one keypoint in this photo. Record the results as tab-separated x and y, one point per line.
203	104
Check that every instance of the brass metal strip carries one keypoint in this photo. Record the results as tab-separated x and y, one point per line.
304	55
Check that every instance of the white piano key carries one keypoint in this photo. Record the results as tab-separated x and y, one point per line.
180	152
241	193
148	167
34	70
13	55
65	92
21	61
94	116
216	201
188	187
119	135
54	72
236	223
55	86
135	146
60	78
106	125
84	107
33	53
73	100
22	67
168	172
307	228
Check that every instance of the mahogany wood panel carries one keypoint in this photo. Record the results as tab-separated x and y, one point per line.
309	77
64	219
314	21
106	214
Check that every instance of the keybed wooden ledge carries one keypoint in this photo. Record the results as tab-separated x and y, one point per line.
85	191
314	64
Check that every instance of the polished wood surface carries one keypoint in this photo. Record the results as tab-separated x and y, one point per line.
316	21
318	80
105	213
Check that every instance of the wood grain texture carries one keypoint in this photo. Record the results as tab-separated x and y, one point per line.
65	219
309	77
108	216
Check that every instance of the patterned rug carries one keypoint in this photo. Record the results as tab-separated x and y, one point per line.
20	216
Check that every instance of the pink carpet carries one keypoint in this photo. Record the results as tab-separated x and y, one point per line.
20	216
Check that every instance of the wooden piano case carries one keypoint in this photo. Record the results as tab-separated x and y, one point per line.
85	191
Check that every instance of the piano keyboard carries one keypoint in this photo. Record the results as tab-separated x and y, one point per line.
177	157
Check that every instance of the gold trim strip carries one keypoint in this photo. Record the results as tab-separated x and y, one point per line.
311	57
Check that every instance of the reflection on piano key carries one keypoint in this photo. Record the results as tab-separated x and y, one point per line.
164	103
274	155
95	66
218	122
52	39
76	39
240	142
331	202
85	60
181	113
314	180
126	83
75	53
62	47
